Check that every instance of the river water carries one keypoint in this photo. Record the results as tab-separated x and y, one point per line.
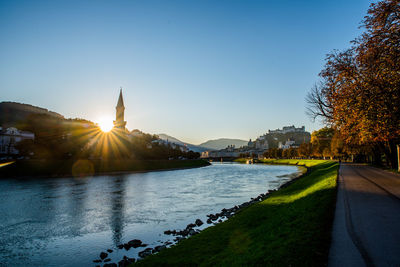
69	221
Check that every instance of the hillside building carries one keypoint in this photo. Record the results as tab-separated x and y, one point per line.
250	143
10	137
261	144
287	137
288	144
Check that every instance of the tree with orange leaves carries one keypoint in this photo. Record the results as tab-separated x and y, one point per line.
359	93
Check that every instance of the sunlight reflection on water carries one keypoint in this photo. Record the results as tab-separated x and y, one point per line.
68	222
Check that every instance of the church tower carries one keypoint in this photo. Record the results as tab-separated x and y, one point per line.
119	120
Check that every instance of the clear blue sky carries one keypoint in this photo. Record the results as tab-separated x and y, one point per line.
196	70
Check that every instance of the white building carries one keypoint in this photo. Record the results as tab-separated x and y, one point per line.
10	137
288	144
204	154
136	133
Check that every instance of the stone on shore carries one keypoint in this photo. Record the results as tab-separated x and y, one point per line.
159	248
192	232
190	225
198	222
145	253
126	261
135	243
103	255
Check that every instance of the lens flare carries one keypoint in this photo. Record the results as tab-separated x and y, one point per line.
105	124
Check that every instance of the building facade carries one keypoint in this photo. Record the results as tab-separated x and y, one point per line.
288	144
10	137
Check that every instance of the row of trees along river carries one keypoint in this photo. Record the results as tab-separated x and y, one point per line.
325	143
358	94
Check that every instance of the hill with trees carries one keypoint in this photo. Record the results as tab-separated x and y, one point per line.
57	137
13	113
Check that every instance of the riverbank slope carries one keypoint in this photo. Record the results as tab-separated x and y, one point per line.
80	168
292	227
300	162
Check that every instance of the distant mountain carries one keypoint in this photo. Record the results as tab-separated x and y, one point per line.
209	145
179	142
12	113
223	143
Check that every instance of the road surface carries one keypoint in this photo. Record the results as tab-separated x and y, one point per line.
366	228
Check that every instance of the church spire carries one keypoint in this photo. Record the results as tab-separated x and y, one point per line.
119	118
120	99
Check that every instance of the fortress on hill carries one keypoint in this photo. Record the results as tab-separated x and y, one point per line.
285	138
288	129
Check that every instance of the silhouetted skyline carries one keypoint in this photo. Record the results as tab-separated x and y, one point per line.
194	70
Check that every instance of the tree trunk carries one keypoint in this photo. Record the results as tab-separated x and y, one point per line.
377	156
391	154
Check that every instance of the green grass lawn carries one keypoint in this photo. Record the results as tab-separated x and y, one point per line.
290	228
303	162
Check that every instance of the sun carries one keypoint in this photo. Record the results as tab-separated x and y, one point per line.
106	124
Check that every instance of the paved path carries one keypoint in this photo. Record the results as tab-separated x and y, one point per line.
366	228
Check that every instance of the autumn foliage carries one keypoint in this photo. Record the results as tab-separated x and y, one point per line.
359	91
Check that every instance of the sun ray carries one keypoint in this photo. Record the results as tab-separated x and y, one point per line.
106	124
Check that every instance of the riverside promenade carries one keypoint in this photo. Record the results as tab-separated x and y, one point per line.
366	228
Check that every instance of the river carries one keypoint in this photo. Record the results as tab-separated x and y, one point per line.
69	221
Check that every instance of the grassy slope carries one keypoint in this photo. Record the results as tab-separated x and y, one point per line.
290	228
303	162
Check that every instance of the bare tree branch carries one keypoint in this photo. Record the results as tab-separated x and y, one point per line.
318	105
